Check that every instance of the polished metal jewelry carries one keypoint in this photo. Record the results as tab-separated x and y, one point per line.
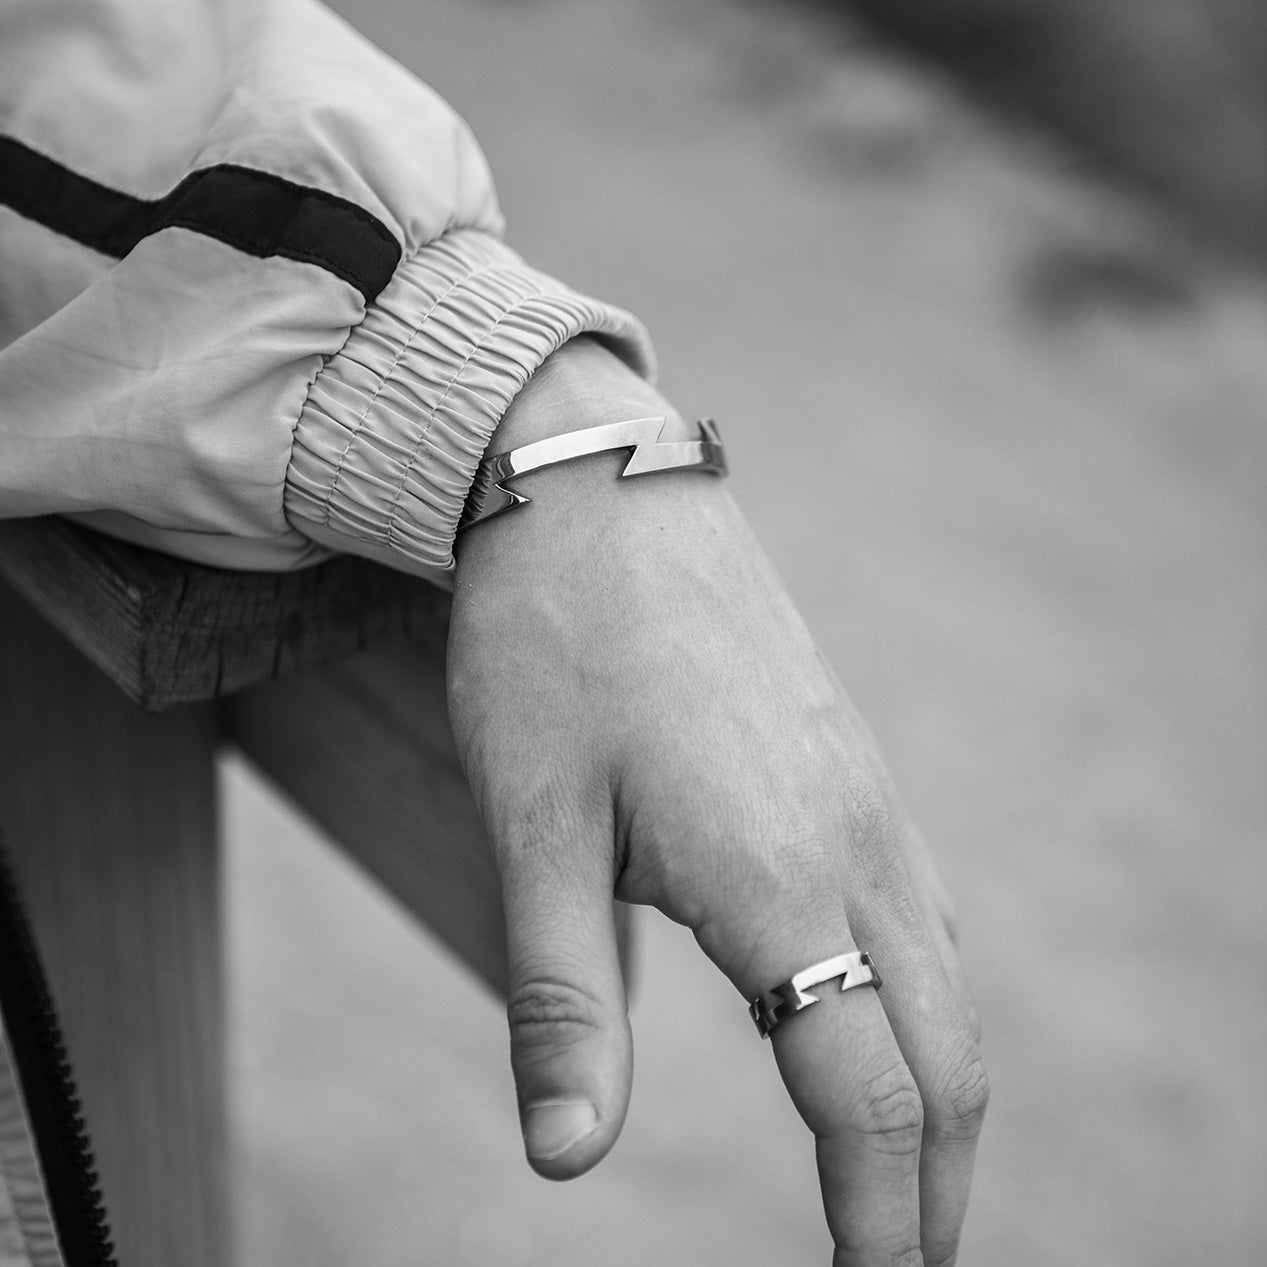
489	495
771	1009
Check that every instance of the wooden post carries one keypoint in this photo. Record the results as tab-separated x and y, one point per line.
108	815
168	632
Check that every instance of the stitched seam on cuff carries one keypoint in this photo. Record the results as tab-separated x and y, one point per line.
474	351
394	491
355	430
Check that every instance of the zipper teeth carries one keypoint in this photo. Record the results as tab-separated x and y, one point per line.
71	1126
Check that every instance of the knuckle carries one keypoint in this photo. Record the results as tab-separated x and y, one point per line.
945	1254
898	1248
974	1023
964	1098
891	1114
534	824
876	843
547	1015
551	811
869	816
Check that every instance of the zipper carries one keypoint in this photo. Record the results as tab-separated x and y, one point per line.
32	1034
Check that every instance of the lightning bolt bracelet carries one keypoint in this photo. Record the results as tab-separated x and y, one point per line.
489	495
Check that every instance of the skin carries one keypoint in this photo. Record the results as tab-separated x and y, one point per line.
642	713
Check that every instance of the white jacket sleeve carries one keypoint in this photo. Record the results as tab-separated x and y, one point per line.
254	306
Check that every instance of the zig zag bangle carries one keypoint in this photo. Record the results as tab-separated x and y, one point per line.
489	495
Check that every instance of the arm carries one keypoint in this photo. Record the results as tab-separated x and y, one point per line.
642	712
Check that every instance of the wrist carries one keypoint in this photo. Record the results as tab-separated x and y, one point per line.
582	387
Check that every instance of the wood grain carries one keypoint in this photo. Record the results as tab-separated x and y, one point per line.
109	817
169	632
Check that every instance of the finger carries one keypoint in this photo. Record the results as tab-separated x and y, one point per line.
952	965
940	922
925	877
846	1075
570	1043
936	1036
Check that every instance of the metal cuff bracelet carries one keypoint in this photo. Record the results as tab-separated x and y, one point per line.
489	495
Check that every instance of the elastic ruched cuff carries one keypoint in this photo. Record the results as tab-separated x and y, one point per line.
396	423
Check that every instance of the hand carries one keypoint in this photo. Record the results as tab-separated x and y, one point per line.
641	712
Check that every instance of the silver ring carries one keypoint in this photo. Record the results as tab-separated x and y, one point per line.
771	1009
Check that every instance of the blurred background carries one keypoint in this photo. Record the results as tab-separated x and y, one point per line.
974	297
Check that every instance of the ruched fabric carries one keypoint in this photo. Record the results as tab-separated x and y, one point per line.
254	306
396	423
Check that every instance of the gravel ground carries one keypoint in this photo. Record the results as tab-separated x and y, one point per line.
1004	433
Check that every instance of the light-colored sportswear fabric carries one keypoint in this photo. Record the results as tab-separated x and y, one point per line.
254	408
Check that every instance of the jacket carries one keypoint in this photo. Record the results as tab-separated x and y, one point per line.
254	303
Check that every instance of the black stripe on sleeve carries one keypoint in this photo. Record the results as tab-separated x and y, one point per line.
254	211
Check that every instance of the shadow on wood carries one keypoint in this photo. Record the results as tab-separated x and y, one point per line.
364	749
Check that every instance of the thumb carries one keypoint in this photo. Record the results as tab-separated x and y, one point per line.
570	1043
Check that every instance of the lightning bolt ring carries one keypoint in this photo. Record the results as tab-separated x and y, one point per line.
489	495
771	1009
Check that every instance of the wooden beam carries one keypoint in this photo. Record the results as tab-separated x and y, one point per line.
169	632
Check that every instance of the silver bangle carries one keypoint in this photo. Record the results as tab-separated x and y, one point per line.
489	495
